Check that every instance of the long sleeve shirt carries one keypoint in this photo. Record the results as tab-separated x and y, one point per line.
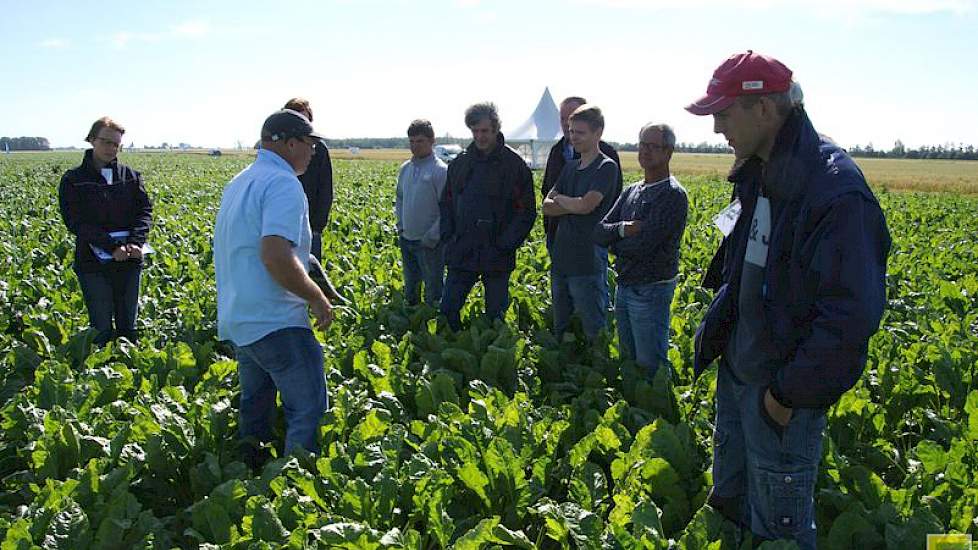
420	183
653	254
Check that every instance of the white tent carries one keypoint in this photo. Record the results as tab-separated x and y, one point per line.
533	138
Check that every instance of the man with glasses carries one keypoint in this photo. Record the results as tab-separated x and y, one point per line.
261	260
643	230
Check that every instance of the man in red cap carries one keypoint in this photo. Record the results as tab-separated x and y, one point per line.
800	289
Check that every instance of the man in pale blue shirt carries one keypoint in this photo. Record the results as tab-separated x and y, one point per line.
420	182
261	259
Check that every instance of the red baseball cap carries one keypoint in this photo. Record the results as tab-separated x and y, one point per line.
742	74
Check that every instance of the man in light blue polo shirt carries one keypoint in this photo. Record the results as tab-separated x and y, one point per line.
261	260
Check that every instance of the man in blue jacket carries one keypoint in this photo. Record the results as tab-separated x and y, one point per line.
800	281
487	211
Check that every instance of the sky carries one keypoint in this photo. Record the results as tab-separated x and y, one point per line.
208	73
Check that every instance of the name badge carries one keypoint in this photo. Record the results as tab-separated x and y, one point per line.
727	218
759	236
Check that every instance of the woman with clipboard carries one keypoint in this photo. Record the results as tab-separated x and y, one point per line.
105	205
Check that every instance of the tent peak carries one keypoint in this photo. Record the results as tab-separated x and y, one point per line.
543	124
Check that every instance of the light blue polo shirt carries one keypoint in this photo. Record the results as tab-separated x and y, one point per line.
265	199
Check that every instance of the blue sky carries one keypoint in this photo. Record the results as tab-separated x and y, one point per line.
208	73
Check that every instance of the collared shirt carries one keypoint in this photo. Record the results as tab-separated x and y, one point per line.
568	151
265	199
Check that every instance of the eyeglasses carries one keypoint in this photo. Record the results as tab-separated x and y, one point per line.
109	141
648	145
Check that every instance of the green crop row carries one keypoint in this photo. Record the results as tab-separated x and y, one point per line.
499	436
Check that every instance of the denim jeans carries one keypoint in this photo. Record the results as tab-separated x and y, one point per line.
422	264
459	283
602	255
766	472
316	246
642	312
113	293
582	295
289	361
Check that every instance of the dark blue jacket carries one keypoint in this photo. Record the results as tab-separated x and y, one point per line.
317	182
824	284
91	209
487	209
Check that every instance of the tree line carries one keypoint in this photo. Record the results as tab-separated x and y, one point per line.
24	144
948	151
899	150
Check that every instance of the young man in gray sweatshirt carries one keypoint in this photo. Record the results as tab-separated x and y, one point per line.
420	182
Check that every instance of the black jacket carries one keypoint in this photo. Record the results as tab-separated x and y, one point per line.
485	238
824	284
317	182
555	163
91	208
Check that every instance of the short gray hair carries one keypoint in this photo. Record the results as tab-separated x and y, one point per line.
795	94
784	102
668	134
481	111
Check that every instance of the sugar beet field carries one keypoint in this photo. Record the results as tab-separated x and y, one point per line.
496	437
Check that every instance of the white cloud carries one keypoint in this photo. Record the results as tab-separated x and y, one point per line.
915	7
54	43
191	28
121	39
188	29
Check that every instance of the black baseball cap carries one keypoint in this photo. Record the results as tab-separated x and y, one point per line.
285	124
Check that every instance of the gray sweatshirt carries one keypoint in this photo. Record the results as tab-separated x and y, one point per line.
420	183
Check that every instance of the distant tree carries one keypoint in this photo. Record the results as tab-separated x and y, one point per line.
25	144
898	151
947	151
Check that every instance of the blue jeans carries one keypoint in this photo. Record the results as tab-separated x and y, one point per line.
422	264
642	312
289	361
602	255
580	294
459	283
113	293
765	471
